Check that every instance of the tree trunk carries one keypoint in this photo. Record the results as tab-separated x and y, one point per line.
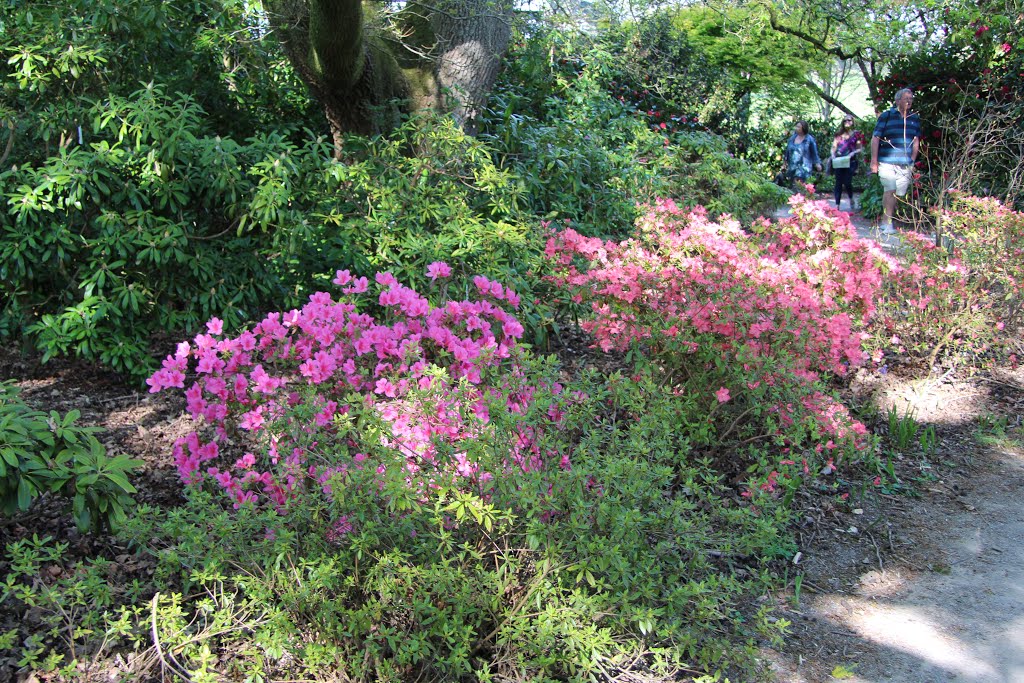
826	97
472	36
358	80
869	69
354	78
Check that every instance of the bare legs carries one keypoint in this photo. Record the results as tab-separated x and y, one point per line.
889	205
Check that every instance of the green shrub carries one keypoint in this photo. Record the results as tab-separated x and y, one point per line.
70	616
120	206
988	237
585	156
871	199
42	453
562	573
142	231
55	59
447	202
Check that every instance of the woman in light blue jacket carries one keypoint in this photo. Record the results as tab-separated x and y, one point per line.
801	154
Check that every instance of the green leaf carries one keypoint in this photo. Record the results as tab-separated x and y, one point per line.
121	481
25	491
83	520
841	672
9	456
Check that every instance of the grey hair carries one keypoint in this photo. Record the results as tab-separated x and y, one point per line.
900	93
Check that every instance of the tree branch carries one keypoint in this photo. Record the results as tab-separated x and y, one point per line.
817	43
10	142
828	98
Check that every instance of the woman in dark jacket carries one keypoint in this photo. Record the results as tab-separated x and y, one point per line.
846	142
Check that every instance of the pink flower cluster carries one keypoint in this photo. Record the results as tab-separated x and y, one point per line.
940	303
802	289
430	375
760	315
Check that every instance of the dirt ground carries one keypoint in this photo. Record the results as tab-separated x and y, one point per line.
918	583
927	585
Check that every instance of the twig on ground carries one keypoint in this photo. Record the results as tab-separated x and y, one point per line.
878	553
173	664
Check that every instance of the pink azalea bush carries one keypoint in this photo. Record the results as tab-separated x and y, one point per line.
311	398
762	317
988	239
961	301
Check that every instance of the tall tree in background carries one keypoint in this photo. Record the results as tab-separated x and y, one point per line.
364	70
472	36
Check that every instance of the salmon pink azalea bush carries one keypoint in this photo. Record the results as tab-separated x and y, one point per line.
801	290
961	302
751	323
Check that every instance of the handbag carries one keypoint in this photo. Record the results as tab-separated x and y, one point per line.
842	162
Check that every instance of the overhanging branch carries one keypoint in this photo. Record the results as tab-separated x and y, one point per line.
817	43
828	98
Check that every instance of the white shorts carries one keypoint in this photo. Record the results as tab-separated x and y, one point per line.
895	178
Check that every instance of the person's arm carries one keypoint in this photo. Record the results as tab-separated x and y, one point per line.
835	145
876	138
913	150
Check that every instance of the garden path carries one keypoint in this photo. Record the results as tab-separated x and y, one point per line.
929	589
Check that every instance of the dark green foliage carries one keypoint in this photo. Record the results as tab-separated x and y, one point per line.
60	56
152	225
142	230
588	156
123	208
48	453
871	199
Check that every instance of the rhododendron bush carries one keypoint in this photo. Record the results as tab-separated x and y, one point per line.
749	323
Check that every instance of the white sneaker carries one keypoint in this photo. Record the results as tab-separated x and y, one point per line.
888	229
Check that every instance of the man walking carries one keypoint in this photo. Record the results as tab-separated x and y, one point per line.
894	146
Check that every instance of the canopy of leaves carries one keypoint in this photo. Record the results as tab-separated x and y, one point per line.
743	45
59	58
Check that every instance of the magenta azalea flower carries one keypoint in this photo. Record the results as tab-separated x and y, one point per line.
438	269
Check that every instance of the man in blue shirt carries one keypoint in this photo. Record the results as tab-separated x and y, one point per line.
894	147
